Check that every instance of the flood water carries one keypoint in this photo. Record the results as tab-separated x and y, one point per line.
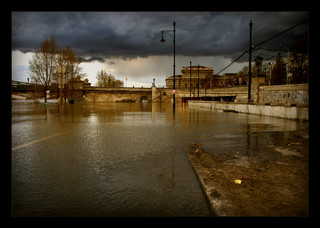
126	159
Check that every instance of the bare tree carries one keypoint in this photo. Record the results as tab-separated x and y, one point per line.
45	61
258	64
102	78
299	63
300	68
107	80
43	64
278	72
73	71
243	72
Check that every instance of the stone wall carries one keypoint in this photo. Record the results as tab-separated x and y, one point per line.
295	113
297	94
166	95
96	94
287	95
161	95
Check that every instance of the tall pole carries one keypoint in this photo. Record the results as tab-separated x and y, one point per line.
174	58
61	100
198	82
250	51
61	71
288	81
174	62
190	80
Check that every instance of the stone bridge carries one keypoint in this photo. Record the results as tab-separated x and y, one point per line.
293	94
237	94
154	94
123	94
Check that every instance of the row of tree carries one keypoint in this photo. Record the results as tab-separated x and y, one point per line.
297	67
107	80
43	66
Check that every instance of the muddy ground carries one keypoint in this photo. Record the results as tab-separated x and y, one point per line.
237	186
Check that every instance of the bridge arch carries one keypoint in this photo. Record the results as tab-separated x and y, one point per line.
144	98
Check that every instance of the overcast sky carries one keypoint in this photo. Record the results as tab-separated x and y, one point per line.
127	45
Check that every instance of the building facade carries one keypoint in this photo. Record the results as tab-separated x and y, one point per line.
202	75
230	80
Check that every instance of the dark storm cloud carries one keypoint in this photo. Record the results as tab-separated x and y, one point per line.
99	35
95	58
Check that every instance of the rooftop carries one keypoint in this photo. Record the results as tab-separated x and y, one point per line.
196	67
171	77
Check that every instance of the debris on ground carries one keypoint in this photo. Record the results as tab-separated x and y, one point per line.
242	187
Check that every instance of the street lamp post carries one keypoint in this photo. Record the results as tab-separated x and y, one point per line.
174	57
198	83
190	80
250	51
61	71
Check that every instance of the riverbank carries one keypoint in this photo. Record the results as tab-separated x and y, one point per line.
238	186
287	112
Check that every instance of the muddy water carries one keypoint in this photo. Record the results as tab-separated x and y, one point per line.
116	159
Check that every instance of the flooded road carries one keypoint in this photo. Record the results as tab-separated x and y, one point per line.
126	159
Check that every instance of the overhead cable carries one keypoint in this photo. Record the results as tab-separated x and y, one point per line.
288	29
262	42
232	62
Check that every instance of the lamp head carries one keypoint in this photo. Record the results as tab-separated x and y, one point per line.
162	40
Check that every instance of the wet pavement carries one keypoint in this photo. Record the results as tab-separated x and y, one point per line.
127	159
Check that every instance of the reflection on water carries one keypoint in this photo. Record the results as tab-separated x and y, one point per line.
126	159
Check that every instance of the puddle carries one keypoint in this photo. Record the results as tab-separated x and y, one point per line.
288	152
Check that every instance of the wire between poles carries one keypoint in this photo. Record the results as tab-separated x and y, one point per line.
288	29
262	42
233	62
